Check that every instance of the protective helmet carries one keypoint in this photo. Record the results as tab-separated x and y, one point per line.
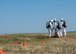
62	19
51	20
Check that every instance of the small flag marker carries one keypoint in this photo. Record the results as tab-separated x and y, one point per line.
1	52
24	44
43	42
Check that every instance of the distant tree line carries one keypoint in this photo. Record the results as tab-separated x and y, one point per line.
71	31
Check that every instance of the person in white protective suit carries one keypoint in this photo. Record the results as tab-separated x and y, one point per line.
55	27
49	26
59	30
63	26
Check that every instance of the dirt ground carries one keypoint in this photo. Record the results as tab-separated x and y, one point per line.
27	53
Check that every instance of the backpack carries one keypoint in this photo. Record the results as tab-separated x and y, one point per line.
64	24
47	24
58	25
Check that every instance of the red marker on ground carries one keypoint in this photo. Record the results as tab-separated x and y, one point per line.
1	52
15	42
43	42
24	44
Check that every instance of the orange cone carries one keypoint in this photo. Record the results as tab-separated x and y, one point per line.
1	52
43	42
24	44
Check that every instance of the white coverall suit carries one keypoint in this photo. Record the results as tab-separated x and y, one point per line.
50	29
63	28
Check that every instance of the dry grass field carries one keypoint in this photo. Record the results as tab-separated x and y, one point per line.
38	44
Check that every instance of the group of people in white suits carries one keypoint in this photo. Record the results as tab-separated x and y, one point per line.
56	28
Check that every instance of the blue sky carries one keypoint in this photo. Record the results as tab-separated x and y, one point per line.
30	16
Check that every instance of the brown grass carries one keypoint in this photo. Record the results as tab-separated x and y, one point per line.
63	45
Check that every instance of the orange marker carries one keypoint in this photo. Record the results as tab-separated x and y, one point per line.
24	44
43	42
1	52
